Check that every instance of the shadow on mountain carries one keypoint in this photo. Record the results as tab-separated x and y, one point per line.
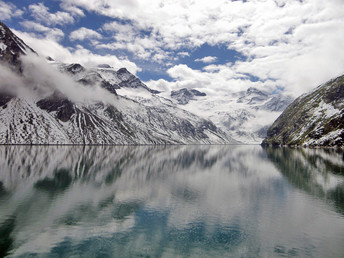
319	172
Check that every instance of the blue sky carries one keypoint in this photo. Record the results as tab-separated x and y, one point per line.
218	45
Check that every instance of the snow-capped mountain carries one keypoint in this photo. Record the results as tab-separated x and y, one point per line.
86	106
245	115
105	75
313	119
11	47
183	96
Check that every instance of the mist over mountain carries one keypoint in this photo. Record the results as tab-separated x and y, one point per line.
46	102
245	115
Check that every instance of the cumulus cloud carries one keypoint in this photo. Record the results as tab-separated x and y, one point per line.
183	54
8	10
216	80
297	43
206	59
49	33
72	9
134	38
41	14
48	47
84	33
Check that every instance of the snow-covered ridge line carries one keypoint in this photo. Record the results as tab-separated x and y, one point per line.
81	106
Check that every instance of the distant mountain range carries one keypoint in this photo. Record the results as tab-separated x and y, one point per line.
49	106
43	101
245	115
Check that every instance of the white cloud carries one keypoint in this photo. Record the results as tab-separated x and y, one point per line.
183	54
133	38
207	59
38	74
41	13
84	33
49	33
297	43
48	47
72	9
8	10
216	80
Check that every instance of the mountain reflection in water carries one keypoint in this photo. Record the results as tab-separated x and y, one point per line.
154	201
318	172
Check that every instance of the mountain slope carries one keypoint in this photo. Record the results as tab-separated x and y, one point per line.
74	107
183	96
11	47
313	119
245	115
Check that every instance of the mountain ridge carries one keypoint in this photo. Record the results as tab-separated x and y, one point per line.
55	108
313	119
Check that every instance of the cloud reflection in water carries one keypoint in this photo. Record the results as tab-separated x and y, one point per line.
165	200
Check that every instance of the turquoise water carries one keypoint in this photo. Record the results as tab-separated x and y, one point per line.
171	201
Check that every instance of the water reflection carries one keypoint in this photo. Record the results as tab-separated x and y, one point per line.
318	172
168	201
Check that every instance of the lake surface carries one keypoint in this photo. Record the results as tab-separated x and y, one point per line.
171	201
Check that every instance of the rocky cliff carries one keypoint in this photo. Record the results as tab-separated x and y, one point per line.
313	119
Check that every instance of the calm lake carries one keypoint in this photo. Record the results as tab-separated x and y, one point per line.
171	201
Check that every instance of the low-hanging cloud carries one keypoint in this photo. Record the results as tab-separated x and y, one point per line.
40	80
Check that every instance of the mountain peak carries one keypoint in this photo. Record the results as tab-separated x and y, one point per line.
128	80
253	90
106	66
50	117
75	68
11	47
123	70
184	95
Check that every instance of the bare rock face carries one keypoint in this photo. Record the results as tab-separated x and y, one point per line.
4	99
62	106
75	68
314	119
128	80
11	47
183	96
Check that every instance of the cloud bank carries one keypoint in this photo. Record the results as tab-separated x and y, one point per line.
295	44
79	54
40	80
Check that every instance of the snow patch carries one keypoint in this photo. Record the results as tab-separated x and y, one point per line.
3	47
